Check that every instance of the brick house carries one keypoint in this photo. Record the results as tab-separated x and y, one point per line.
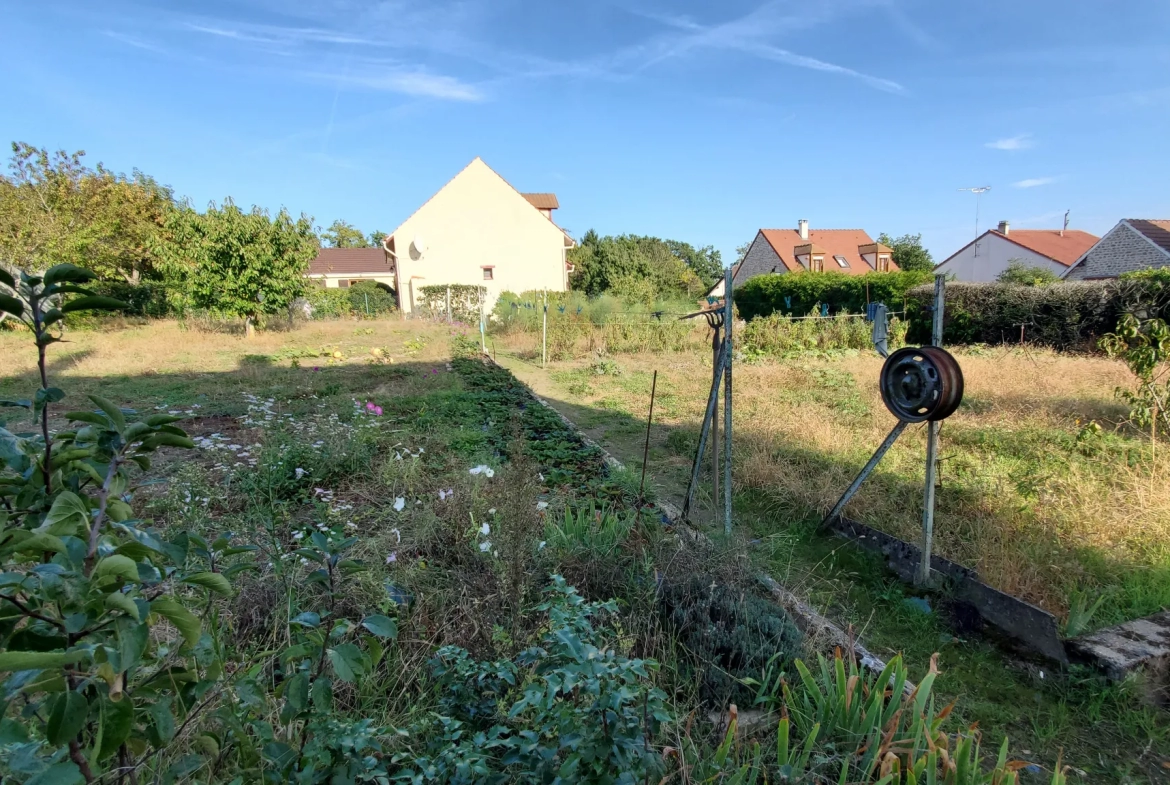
343	267
849	251
989	254
1134	244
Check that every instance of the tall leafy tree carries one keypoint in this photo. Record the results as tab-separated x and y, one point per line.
341	234
375	238
640	267
909	253
236	263
54	209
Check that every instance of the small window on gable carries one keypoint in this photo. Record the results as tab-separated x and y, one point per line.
818	264
840	260
488	274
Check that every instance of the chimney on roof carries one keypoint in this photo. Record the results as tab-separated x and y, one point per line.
1005	228
802	227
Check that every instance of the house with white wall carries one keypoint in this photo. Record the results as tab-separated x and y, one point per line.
479	230
1134	244
989	254
343	267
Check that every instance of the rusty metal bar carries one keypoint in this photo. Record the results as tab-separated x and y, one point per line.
646	448
708	416
936	335
729	347
882	449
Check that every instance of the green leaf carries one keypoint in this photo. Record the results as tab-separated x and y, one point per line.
382	626
348	661
67	273
163	721
11	305
117	566
23	403
117	722
7	279
67	717
118	510
296	692
185	621
210	580
63	773
307	619
113	412
37	660
121	602
89	417
166	440
93	303
40	542
155	420
69	515
52	316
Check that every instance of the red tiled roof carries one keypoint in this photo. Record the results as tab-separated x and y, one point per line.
1064	249
350	261
1157	232
835	242
542	201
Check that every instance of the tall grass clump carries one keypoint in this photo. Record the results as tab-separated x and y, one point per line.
781	336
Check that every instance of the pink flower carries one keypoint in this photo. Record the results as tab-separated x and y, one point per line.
378	410
315	368
370	405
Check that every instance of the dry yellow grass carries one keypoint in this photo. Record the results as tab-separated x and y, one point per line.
1039	505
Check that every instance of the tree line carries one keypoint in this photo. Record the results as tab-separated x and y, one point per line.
132	231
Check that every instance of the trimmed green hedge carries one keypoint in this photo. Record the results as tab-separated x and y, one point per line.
1070	315
798	294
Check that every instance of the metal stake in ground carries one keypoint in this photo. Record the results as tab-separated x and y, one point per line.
932	427
544	334
715	321
728	318
646	448
708	417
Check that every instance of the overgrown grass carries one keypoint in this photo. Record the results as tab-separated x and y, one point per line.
1042	490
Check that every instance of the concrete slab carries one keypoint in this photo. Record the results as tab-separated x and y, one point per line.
1142	644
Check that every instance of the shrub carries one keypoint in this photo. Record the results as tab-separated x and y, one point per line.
1066	315
1026	275
329	303
466	301
797	294
369	299
570	709
734	634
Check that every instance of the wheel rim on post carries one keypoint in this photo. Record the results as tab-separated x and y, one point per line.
921	384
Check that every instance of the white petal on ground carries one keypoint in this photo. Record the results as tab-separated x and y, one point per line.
485	546
399	504
485	529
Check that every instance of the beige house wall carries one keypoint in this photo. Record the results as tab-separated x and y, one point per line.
478	220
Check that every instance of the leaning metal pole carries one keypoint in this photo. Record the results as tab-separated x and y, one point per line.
932	427
728	319
882	449
708	417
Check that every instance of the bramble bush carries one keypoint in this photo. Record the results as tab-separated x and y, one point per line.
465	301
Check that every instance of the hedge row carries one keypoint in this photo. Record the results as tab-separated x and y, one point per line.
797	295
1072	315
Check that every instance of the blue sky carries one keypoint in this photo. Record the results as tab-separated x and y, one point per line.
696	121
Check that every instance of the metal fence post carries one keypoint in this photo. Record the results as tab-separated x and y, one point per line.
544	333
729	349
936	336
448	302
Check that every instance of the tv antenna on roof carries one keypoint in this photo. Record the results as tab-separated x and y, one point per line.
978	191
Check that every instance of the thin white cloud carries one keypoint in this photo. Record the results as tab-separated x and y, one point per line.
1034	182
748	35
394	79
1017	142
130	40
271	34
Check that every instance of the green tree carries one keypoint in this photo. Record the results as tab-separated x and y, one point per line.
375	238
642	268
1018	272
236	263
341	234
56	210
909	253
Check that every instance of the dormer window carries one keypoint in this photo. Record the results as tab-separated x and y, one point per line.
883	262
841	261
818	264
